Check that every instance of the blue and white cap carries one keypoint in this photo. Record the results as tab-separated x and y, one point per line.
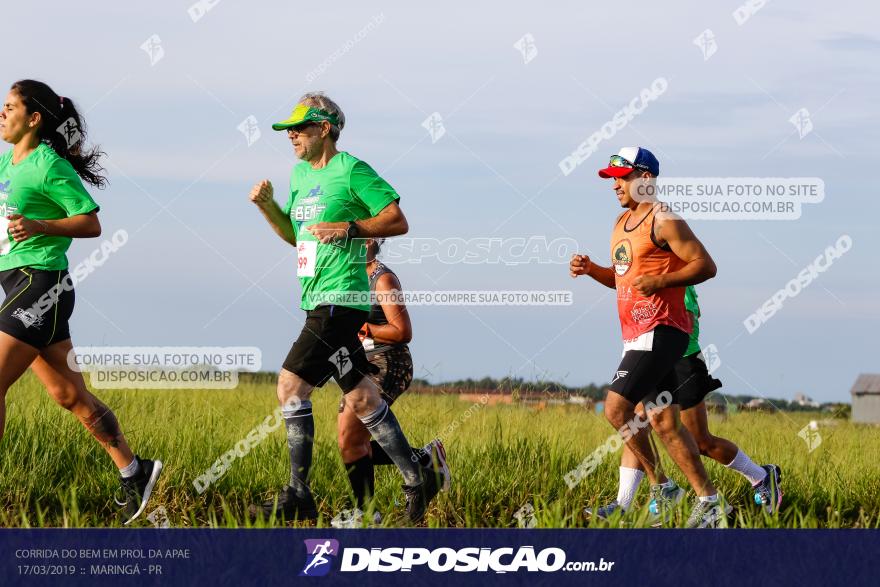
628	159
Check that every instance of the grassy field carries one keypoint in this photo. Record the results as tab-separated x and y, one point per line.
53	474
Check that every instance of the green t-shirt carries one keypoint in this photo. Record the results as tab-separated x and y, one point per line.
690	304
345	189
43	186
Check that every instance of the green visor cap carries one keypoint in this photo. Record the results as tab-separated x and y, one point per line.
302	114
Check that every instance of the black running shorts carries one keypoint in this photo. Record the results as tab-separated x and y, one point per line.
328	346
643	374
694	381
38	305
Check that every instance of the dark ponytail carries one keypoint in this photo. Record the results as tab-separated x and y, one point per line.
62	128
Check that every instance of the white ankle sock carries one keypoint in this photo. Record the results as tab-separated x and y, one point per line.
669	484
709	498
744	465
131	470
629	484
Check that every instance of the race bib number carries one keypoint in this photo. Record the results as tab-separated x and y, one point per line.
5	241
306	255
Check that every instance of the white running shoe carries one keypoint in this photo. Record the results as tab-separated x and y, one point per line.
354	519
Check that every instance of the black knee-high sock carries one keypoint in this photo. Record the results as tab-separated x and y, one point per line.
385	428
363	482
380	457
300	436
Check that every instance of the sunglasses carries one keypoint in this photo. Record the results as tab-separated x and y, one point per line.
294	131
618	161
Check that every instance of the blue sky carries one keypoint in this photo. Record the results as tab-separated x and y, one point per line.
202	268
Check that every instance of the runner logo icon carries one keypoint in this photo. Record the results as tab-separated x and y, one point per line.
341	360
318	553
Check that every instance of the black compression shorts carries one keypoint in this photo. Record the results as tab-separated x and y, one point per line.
643	374
38	305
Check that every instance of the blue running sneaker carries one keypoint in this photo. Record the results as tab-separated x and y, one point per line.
663	502
604	512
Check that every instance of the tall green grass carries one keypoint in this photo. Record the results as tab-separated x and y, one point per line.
52	473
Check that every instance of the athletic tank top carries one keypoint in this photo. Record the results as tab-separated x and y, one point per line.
635	252
377	314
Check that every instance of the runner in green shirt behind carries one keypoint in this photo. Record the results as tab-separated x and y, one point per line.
335	202
696	384
43	207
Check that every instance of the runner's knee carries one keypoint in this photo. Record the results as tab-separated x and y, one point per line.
364	399
65	394
617	410
291	387
664	426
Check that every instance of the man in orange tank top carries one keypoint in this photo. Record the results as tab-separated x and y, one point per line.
654	256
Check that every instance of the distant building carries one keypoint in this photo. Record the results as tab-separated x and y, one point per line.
866	399
802	400
759	404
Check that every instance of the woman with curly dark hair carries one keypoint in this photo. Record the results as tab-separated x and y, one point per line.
43	206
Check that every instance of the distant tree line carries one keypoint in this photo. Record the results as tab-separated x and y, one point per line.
510	385
518	385
515	385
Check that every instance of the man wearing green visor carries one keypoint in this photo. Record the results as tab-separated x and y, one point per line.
335	202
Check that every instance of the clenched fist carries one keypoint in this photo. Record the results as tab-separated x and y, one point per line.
21	228
648	285
579	265
262	193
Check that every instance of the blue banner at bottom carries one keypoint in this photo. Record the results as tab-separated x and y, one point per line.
436	557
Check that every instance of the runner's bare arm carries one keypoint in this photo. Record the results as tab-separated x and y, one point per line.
582	265
262	196
77	226
399	327
686	247
390	221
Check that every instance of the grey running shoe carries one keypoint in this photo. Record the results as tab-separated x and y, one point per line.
709	514
768	492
